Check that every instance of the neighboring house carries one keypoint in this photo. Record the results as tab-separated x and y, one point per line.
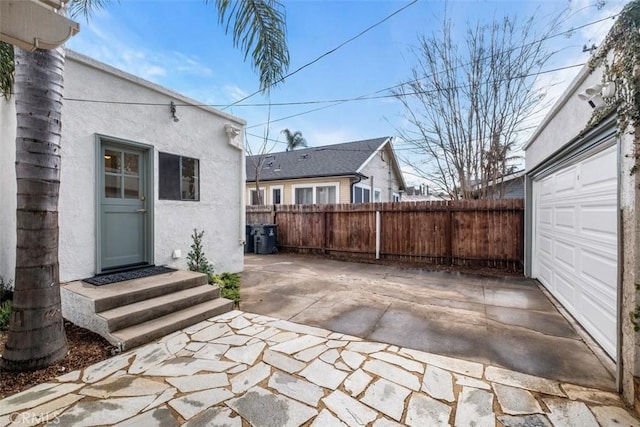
422	193
136	179
509	186
353	172
582	225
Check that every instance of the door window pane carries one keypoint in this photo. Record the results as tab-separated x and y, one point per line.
112	161
112	186
326	195
131	165
131	187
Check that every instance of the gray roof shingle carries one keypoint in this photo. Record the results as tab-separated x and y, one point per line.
329	160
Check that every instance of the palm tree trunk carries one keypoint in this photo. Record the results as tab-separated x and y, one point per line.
36	332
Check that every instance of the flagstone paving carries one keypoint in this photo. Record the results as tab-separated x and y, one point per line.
242	369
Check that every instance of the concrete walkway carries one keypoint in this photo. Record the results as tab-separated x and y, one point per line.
242	369
503	322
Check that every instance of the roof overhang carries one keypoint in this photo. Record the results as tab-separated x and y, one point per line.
32	24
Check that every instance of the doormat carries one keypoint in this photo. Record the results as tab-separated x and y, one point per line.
127	275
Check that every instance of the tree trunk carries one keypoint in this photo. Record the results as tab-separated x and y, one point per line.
36	333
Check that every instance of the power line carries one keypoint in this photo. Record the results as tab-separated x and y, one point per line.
329	52
414	93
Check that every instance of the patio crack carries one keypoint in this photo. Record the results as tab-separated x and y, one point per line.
375	324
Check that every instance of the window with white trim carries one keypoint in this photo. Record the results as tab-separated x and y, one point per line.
377	195
361	194
276	194
324	193
303	195
396	197
254	199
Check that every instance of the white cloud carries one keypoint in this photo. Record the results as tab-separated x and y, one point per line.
234	92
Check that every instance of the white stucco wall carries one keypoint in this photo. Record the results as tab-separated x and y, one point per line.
565	121
199	134
7	189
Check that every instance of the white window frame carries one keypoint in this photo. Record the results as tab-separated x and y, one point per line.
377	195
395	197
276	187
372	193
250	191
313	186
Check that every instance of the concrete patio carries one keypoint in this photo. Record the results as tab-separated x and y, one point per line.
241	369
503	322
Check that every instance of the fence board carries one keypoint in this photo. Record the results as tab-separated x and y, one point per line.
475	232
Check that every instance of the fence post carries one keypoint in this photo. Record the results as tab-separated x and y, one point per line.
324	231
449	242
377	234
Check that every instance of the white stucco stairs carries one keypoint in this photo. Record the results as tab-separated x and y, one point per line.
135	312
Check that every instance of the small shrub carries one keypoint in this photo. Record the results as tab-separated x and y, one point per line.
196	259
229	284
6	290
5	313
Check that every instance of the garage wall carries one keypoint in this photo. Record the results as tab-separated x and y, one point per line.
563	123
563	132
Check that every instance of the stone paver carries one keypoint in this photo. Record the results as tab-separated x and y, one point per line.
569	413
475	407
438	383
242	369
387	397
295	388
425	411
349	410
393	373
357	382
199	382
516	401
191	404
263	408
323	374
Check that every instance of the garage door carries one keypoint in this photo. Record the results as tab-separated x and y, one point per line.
575	253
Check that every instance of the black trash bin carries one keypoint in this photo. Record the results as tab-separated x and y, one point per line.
265	239
248	240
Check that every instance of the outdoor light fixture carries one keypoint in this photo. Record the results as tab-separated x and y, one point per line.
172	107
596	94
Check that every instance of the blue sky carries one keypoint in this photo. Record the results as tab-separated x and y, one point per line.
180	45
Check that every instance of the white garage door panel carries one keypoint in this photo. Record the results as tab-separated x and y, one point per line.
575	242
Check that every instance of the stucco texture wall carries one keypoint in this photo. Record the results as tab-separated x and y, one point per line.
7	190
565	121
199	134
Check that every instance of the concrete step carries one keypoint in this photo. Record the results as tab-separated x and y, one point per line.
145	332
128	292
142	311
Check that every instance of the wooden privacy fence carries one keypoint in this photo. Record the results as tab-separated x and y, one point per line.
475	232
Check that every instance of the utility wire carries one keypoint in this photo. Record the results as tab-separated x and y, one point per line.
336	102
329	52
415	93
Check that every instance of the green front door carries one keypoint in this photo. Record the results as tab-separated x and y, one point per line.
123	207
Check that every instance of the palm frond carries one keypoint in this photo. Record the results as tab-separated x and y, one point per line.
86	7
6	70
258	28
